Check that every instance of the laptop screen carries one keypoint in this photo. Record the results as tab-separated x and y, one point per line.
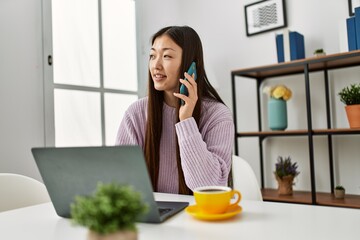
72	171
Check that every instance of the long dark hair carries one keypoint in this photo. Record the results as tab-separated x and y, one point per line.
186	38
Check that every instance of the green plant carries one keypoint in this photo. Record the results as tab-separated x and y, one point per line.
111	208
339	187
284	167
319	50
350	95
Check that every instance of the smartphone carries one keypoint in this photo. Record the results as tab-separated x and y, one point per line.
190	71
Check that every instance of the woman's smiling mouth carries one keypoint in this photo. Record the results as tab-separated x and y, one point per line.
159	77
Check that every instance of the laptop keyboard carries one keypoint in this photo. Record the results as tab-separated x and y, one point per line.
163	211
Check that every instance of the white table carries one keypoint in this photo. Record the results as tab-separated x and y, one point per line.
259	220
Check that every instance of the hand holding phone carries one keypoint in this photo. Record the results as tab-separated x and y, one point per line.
191	71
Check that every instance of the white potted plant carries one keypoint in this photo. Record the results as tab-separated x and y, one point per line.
339	192
319	52
110	213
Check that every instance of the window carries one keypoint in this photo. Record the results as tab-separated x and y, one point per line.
94	70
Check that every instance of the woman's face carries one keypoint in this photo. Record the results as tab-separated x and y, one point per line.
164	64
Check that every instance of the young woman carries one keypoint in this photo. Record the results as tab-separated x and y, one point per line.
185	146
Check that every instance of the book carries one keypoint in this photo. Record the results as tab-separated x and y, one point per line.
280	47
351	33
297	48
290	46
286	33
357	26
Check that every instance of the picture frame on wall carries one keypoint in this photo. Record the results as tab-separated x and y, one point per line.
352	5
264	16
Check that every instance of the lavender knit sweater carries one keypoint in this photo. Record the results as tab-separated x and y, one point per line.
205	150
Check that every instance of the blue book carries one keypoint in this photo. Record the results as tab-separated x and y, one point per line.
280	47
351	33
357	26
297	46
301	44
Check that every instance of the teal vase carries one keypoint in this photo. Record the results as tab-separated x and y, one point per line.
277	113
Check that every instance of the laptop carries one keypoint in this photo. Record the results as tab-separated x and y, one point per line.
71	171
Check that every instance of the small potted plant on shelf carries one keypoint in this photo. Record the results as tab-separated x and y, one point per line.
319	52
285	172
339	192
110	213
277	108
351	97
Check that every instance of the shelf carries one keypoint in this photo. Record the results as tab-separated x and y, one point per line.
297	197
273	133
332	61
328	199
303	67
304	197
300	132
336	131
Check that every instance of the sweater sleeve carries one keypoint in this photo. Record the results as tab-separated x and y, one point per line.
206	155
131	128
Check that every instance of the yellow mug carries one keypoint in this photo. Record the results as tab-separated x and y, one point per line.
215	199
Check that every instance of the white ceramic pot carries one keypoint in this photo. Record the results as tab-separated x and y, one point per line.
120	235
339	193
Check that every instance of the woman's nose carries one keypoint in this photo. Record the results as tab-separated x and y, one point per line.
157	63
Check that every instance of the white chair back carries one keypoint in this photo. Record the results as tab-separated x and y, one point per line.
18	191
244	179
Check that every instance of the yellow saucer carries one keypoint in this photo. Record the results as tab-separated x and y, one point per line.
194	211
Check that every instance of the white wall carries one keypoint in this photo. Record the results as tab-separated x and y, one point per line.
150	17
221	26
21	85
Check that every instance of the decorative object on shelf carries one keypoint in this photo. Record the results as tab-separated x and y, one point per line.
353	27
277	109
357	26
319	52
285	172
110	213
277	113
290	46
351	97
351	33
264	16
339	192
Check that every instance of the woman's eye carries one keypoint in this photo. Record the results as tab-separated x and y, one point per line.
167	56
152	56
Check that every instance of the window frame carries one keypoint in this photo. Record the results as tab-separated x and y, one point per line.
48	76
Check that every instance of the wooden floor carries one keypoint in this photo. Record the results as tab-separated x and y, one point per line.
304	197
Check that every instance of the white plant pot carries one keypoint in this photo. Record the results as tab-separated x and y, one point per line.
339	194
120	235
